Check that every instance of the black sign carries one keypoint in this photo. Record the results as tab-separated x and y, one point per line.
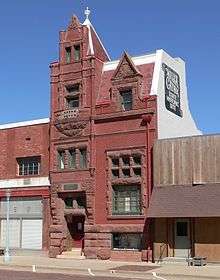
172	90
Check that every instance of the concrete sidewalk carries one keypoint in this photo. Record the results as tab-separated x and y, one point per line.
108	268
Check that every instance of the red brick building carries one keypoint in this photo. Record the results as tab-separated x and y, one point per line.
24	173
105	117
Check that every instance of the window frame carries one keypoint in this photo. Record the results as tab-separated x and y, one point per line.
68	54
29	166
125	198
126	105
77	52
126	236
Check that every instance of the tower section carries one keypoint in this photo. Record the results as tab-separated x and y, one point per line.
74	79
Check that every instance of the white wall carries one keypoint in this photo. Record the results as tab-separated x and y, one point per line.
169	124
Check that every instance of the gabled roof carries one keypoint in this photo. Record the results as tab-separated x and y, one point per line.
125	68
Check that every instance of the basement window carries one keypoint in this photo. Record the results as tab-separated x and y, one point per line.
126	241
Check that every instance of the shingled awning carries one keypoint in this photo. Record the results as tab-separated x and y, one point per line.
183	201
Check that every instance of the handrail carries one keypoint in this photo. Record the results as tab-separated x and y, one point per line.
162	249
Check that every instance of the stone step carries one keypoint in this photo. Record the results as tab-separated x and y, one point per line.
73	254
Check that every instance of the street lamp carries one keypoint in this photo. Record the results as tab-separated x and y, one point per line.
7	255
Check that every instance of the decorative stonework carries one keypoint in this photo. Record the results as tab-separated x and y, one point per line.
74	23
126	181
71	128
125	69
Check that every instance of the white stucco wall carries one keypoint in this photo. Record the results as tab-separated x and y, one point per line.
169	124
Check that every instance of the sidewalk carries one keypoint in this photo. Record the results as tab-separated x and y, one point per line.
108	268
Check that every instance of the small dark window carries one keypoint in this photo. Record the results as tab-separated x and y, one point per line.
126	241
76	52
115	173
73	101
126	172
68	54
73	96
126	161
73	89
29	166
126	100
137	172
72	158
137	160
181	228
115	162
68	202
61	159
83	158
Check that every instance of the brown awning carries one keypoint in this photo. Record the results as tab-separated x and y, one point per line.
182	201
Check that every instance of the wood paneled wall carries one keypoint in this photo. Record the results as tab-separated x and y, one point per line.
187	160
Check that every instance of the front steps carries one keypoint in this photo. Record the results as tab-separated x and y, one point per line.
73	254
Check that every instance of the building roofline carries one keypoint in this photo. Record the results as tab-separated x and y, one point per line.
137	60
24	123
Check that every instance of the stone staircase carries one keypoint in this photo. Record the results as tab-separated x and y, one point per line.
73	254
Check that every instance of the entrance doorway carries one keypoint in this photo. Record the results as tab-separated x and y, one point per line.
76	230
182	238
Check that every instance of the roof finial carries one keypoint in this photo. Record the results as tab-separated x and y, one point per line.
87	13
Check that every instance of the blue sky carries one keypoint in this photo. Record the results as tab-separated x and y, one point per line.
29	42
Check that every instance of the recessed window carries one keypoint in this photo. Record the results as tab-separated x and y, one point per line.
73	101
68	202
83	158
29	166
72	158
76	52
73	96
126	241
68	54
115	162
126	100
61	159
75	158
126	200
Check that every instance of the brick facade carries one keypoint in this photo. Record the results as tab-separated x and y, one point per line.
21	141
101	126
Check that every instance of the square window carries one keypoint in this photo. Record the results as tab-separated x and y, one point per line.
137	172
126	100
137	160
115	162
73	101
126	160
126	173
126	200
115	173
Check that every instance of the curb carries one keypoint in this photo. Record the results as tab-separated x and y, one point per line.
62	270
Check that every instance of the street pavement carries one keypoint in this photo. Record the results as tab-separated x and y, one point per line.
26	275
97	269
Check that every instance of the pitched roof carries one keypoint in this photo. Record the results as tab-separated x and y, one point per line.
185	201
